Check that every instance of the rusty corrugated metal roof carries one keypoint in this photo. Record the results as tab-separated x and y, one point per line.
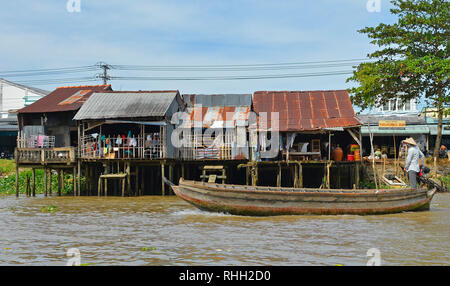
217	117
64	99
217	110
306	110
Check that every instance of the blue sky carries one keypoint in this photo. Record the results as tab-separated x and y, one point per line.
43	34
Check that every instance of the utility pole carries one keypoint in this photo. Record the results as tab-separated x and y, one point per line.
104	76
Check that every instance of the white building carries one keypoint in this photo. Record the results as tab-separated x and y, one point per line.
399	106
14	96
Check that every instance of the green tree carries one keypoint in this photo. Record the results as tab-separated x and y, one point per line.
412	60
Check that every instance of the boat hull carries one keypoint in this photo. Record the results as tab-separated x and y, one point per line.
268	201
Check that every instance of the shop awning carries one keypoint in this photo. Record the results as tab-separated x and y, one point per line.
408	130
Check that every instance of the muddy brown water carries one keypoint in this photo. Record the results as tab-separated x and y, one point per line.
155	230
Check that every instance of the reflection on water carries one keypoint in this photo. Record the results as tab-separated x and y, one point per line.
168	231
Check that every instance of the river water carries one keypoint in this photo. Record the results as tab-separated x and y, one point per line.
155	230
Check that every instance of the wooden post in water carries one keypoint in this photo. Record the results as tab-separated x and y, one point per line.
99	186
142	181
137	191
74	181
163	191
123	187
63	173
17	179
45	181
50	179
300	171
170	175
33	178
79	178
129	178
28	189
59	182
279	176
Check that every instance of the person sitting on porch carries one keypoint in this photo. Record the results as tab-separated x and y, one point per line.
412	163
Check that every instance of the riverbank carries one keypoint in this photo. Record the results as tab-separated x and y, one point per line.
8	180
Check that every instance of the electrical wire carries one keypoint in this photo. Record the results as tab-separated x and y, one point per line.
245	77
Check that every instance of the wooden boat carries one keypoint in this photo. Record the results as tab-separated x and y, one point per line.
266	201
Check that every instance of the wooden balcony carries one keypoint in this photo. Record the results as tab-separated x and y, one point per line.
61	155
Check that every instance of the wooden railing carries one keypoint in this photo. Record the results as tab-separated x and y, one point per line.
149	146
219	148
45	155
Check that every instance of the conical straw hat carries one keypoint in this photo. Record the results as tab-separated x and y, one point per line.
410	140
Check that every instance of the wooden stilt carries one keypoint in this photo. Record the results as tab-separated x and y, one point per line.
17	179
142	182
59	182
106	187
79	178
170	175
247	171
99	189
45	181
123	187
50	174
63	174
279	176
74	181
33	178
128	178
28	189
88	179
357	175
163	185
300	175
137	190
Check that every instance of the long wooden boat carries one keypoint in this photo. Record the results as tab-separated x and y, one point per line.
266	201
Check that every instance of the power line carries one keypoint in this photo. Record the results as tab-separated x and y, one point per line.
245	77
234	65
43	74
47	71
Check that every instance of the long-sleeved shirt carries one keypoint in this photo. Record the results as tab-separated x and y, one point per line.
412	159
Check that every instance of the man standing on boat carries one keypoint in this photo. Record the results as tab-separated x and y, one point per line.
412	164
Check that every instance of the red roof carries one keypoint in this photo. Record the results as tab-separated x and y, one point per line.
306	110
66	98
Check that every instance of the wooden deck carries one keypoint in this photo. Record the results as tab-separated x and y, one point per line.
44	156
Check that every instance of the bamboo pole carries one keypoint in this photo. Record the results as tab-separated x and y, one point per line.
373	157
